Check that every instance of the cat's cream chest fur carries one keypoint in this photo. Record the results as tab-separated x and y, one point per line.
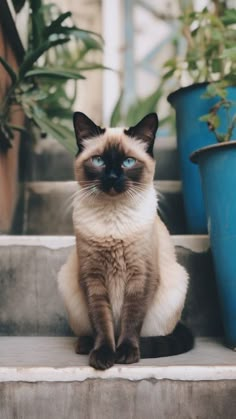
107	222
117	219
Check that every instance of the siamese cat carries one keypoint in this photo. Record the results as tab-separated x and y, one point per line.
122	286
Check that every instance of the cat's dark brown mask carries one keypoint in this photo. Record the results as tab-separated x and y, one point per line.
114	160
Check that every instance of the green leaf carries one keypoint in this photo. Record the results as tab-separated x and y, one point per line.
33	56
17	128
56	24
85	36
55	72
216	89
221	137
82	33
169	74
216	65
9	70
205	118
59	112
230	79
170	63
64	135
229	53
229	17
214	120
93	66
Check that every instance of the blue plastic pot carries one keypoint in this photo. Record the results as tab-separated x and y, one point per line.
217	164
193	134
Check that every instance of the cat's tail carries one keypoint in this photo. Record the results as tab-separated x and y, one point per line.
179	341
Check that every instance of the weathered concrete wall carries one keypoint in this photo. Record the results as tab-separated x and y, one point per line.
30	303
116	399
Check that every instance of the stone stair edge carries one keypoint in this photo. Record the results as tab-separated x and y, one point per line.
208	361
195	243
163	185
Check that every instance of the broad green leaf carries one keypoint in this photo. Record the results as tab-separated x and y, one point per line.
35	5
56	24
229	17
9	70
216	65
33	56
93	66
57	112
37	23
82	33
61	133
85	36
55	72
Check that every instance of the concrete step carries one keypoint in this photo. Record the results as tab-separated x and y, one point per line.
49	161
29	300
42	377
46	207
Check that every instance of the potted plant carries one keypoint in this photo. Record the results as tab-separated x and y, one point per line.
40	87
209	56
217	164
56	55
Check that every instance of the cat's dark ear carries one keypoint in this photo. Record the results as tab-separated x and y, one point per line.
85	128
145	130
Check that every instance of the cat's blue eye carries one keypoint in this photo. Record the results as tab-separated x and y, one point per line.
97	161
129	162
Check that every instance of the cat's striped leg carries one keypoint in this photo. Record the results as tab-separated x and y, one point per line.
103	354
133	313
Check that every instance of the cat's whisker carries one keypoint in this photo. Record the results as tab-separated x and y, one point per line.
138	183
68	205
134	195
86	194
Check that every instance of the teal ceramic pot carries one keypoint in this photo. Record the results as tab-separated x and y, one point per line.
217	164
193	134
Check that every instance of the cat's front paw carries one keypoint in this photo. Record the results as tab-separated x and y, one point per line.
127	353
102	357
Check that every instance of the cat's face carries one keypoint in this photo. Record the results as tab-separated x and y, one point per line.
114	161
